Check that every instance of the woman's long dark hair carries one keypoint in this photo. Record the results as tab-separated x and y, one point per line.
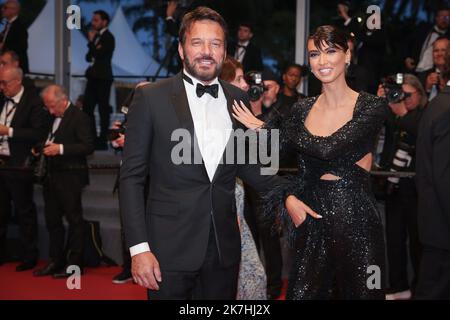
330	35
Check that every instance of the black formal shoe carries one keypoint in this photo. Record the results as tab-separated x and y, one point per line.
26	265
50	269
64	274
123	277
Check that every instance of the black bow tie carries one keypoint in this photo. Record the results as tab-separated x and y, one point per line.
213	90
6	100
241	46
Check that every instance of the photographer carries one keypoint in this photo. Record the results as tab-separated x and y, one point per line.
263	93
407	99
23	122
117	138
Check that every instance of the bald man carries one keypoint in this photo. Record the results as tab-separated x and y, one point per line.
23	122
14	35
69	141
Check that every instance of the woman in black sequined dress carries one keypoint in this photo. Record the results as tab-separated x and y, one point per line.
339	254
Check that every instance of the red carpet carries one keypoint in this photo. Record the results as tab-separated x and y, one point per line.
95	285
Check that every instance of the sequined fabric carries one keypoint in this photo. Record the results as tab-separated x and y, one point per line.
335	255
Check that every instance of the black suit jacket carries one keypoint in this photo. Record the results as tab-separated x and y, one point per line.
101	54
433	172
17	41
30	125
75	133
252	58
182	202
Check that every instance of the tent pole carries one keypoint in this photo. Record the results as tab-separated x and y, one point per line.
62	45
301	35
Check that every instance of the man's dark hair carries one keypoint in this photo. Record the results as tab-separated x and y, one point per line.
14	56
103	15
442	8
247	24
291	66
201	14
330	35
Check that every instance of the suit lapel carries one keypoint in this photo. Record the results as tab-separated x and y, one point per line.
19	108
181	105
65	119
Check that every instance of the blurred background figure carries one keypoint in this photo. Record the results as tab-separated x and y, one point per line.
433	179
401	196
99	75
252	277
244	50
419	47
14	35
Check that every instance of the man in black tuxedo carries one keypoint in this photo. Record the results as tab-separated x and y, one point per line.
99	74
14	35
419	45
245	51
23	122
185	241
68	143
433	181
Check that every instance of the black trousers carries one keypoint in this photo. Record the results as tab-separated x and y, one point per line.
64	199
434	275
266	239
98	92
401	226
211	282
17	188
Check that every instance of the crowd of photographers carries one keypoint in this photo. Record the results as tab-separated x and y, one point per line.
60	137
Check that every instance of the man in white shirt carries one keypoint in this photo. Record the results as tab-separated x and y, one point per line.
185	242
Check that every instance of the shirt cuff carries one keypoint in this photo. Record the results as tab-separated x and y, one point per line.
139	248
347	22
61	149
170	18
10	132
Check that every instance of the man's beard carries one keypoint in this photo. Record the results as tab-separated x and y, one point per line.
190	67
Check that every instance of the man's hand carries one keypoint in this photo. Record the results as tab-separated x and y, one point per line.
298	210
91	35
119	142
52	149
432	79
4	130
171	8
343	11
145	270
410	64
381	92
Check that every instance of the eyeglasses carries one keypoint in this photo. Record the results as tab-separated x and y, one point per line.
6	82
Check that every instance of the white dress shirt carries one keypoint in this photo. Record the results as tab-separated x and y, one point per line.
6	117
213	128
55	126
240	52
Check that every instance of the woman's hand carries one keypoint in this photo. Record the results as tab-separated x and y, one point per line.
242	114
299	210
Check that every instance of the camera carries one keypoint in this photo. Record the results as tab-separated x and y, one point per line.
256	84
393	88
114	134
